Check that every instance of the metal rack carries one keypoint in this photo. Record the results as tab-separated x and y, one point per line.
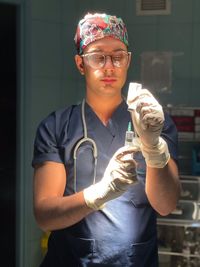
179	232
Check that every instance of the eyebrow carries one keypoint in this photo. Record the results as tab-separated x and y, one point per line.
98	50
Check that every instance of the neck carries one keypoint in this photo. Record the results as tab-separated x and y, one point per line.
104	107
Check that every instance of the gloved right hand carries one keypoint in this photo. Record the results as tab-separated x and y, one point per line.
148	120
118	176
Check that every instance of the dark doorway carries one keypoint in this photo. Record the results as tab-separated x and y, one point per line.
8	92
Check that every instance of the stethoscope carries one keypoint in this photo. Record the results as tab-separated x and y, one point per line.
80	142
83	140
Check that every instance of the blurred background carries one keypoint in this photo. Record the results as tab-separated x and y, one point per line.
38	75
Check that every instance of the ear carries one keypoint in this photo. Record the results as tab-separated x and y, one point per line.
79	64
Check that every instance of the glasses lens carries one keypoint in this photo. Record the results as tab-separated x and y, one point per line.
120	59
96	60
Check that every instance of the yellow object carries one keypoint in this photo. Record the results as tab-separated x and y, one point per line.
44	242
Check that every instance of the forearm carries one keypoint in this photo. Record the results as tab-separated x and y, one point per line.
60	212
163	187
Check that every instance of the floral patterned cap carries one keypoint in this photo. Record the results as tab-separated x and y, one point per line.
97	26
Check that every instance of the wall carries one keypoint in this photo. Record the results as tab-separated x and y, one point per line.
178	33
55	81
50	79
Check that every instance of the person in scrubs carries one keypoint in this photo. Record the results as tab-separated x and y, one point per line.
98	197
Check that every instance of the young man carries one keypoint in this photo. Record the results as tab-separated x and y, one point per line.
98	197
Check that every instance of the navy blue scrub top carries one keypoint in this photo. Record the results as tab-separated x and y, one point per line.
123	234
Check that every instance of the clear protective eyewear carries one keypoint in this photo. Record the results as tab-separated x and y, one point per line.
97	60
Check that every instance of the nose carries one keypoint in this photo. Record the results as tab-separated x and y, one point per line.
108	62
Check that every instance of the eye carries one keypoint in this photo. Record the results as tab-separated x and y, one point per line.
98	57
118	57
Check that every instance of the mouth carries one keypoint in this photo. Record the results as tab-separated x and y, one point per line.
108	80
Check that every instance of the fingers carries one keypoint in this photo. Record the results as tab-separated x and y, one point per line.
123	176
126	168
143	96
149	111
140	96
123	152
147	104
124	164
153	119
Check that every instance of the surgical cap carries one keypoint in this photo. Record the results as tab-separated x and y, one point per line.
97	26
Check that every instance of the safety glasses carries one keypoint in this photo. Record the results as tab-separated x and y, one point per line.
98	60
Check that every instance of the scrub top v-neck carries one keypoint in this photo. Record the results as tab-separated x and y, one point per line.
124	232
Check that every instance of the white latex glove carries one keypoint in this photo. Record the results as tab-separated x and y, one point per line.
148	119
118	176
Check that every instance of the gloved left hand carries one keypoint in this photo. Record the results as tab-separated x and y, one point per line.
119	175
148	119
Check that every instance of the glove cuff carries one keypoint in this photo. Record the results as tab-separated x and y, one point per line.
92	197
157	156
98	194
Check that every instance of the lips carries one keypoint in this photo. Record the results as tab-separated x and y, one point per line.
108	80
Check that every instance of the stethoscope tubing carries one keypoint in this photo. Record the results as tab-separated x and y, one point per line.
80	142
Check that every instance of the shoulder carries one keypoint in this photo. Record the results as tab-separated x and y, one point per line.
57	122
59	117
50	133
